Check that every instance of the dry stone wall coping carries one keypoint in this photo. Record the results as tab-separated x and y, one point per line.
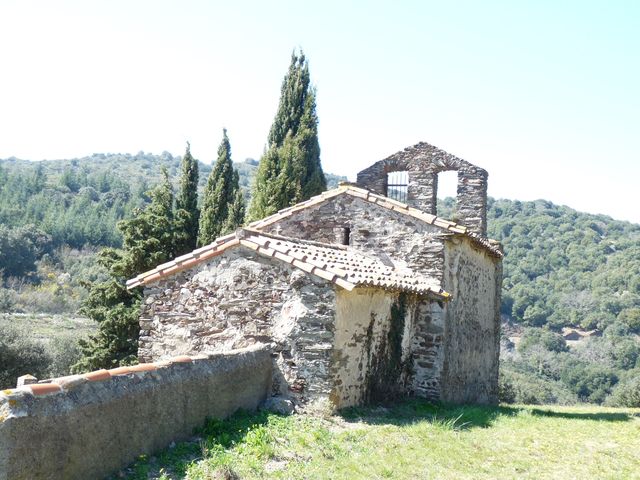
71	382
90	425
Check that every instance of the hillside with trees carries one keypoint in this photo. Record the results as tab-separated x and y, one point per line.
562	268
567	269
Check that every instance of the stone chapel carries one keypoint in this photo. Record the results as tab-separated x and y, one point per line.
362	293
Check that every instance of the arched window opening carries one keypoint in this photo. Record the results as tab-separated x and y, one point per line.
398	186
446	195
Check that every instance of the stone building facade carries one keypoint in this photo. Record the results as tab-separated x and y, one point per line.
424	162
360	296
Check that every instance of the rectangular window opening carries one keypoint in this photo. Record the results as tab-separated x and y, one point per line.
398	186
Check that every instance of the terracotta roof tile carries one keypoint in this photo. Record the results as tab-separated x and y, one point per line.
97	376
45	388
315	260
343	266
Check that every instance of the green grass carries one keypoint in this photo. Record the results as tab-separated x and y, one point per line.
413	440
46	327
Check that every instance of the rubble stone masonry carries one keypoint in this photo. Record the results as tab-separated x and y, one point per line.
424	162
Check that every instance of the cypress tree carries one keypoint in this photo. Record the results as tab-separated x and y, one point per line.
218	195
290	169
236	214
187	213
147	241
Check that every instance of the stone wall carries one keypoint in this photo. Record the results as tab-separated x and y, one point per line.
427	349
240	299
424	162
88	426
401	240
472	324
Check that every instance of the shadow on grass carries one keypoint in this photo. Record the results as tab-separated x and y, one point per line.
604	416
460	417
216	433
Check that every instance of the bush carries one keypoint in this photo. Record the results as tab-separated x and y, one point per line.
590	382
626	393
64	352
551	341
517	386
20	355
45	298
506	391
7	299
631	318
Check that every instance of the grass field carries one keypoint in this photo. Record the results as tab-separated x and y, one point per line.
46	327
414	440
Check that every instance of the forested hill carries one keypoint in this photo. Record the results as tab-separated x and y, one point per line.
562	267
566	268
78	202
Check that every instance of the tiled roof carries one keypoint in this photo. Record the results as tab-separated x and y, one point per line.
341	265
346	188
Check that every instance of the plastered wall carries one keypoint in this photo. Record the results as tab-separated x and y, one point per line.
472	324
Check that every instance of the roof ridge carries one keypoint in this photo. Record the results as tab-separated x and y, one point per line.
335	246
357	191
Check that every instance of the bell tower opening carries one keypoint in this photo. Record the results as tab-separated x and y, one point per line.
397	186
447	194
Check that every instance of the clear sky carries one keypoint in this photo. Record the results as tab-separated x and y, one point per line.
545	95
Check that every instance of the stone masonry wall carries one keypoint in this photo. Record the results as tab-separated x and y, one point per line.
427	349
401	240
424	162
406	242
240	299
472	324
89	426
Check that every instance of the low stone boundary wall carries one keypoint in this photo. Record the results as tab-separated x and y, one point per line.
88	426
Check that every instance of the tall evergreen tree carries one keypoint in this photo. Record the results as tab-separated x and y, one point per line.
219	194
236	213
290	169
147	241
187	213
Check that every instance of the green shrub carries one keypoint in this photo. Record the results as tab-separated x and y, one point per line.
20	355
64	352
631	318
506	391
590	382
7	300
551	341
518	386
626	393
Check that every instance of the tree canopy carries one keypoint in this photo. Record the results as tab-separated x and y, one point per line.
187	212
148	240
290	169
219	197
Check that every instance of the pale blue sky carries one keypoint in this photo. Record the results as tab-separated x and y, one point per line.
543	94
